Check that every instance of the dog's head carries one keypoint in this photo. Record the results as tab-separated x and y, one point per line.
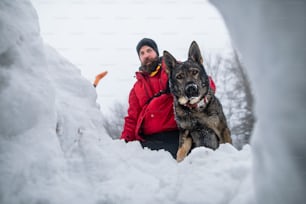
189	82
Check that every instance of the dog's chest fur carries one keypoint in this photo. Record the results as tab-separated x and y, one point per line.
188	118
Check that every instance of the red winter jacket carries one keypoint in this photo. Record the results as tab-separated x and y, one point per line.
148	114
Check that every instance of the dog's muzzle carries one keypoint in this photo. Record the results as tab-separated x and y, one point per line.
191	90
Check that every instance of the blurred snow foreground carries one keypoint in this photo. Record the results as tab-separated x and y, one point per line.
271	38
53	148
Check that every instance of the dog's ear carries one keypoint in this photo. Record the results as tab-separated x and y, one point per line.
194	53
169	60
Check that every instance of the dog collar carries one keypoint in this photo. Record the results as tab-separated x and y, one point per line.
201	104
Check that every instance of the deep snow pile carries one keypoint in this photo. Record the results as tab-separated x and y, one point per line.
53	148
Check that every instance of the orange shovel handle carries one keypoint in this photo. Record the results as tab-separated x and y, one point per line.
99	77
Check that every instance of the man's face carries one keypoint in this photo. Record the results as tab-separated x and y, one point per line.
147	55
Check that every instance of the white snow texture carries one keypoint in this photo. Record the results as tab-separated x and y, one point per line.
271	38
53	148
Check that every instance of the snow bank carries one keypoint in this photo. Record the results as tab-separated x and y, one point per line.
45	107
271	38
53	148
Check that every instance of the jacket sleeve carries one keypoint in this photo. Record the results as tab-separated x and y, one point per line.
130	121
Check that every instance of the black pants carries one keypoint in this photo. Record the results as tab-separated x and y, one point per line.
168	141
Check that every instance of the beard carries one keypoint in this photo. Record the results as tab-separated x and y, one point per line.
149	65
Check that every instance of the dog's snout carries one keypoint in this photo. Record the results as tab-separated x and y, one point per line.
191	90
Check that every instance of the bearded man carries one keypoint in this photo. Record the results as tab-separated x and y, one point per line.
150	117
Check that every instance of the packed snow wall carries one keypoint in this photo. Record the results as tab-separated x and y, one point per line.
271	38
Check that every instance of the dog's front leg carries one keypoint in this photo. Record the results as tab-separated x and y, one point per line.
212	122
184	145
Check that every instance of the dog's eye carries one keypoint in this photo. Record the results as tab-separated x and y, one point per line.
179	76
194	72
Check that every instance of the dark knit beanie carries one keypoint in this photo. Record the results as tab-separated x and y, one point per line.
149	42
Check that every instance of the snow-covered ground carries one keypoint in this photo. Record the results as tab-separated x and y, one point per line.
53	148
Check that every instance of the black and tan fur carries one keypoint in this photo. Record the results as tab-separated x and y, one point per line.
198	112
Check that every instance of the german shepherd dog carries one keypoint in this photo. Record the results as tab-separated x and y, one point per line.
198	112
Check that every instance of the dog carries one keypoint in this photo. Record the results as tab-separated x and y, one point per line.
198	112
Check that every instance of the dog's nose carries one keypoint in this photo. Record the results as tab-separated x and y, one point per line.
191	90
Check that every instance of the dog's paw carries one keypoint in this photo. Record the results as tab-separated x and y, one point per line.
181	154
184	148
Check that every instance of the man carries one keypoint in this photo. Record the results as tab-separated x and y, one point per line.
150	118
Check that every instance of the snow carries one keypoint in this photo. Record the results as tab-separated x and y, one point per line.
54	149
271	38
